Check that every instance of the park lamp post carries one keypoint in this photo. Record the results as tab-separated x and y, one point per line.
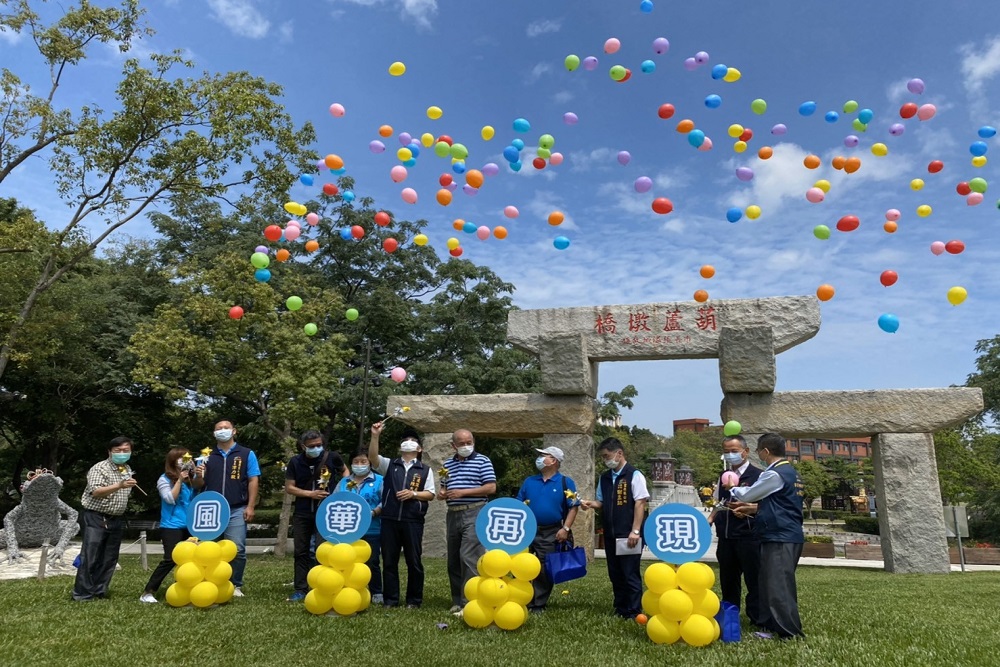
378	365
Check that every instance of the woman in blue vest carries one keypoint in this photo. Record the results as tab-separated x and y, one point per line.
368	484
176	491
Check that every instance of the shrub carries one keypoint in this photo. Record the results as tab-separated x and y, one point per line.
861	524
819	539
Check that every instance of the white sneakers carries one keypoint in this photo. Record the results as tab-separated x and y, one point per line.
147	597
238	592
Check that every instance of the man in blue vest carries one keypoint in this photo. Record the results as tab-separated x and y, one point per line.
622	496
776	500
232	470
737	550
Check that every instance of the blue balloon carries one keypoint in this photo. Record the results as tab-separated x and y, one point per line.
338	172
469	227
414	148
521	125
719	71
262	275
696	138
866	115
511	154
306	179
832	116
807	108
515	166
713	102
888	322
518	144
560	242
978	148
648	66
734	214
987	131
646	6
347	195
345	233
412	162
458	167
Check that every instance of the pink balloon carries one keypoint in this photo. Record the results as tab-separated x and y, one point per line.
690	64
397	374
293	223
624	157
730	478
312	219
398	173
612	45
892	214
974	199
556	159
409	195
705	145
937	247
643	184
815	195
337	110
451	187
490	169
511	211
483	233
745	174
292	233
926	112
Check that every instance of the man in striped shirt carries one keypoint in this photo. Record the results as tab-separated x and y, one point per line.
469	480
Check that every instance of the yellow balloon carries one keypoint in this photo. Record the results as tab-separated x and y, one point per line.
697	630
427	139
362	551
496	563
492	592
366	599
472	588
479	563
525	566
732	74
707	604
228	550
979	161
718	629
753	211
957	295
342	556
359	577
660	578
735	130
420	239
521	591
924	210
662	630
404	154
178	596
188	575
397	68
347	601
917	184
740	146
204	594
822	184
226	591
651	603
207	554
452	244
325	579
695	577
510	616
219	574
675	605
323	553
487	132
183	552
880	149
477	615
434	113
318	603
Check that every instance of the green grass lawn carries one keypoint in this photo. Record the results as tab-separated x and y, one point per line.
851	617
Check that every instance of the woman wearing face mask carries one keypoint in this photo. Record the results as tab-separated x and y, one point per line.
368	484
309	477
176	487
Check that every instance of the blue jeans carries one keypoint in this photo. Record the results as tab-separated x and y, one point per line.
237	532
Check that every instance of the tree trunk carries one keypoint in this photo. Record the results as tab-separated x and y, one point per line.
280	547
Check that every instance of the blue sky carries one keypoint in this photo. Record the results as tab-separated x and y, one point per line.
487	63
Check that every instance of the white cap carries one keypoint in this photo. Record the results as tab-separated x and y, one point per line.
553	451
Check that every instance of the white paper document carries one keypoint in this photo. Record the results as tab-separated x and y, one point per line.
623	549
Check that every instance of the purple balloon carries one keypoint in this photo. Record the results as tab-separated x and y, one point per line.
321	165
624	157
405	138
851	141
779	129
701	57
451	187
590	63
570	118
643	184
376	146
896	129
915	86
744	174
490	169
261	248
661	45
690	64
469	190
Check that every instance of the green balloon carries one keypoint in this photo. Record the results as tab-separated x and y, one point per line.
978	184
822	232
543	153
617	72
293	303
850	106
546	141
459	151
351	314
310	329
441	149
758	106
572	62
859	126
732	428
260	260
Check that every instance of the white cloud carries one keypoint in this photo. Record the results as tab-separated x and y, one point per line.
10	37
562	97
543	26
241	17
596	158
538	71
979	65
544	202
420	11
286	31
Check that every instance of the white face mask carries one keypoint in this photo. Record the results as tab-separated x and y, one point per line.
465	451
224	434
612	464
360	471
733	458
540	462
409	446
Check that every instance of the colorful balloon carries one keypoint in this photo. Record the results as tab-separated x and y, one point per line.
957	295
662	205
397	69
235	313
888	323
937	247
337	110
825	292
888	278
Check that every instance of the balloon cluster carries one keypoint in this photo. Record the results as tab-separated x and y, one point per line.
680	604
502	591
202	575
340	581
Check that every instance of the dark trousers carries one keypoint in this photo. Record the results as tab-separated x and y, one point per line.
626	582
544	544
170	537
779	605
303	529
375	542
408	536
102	539
740	558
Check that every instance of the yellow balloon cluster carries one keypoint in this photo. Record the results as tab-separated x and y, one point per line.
680	604
340	581
502	591
202	575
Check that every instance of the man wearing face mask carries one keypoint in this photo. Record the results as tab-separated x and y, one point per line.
776	500
549	495
104	500
232	470
407	487
470	480
308	478
737	549
622	496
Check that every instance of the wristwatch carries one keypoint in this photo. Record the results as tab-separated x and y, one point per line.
567	528
635	532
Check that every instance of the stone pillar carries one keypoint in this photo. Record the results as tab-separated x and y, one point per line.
437	448
910	518
579	464
662	485
685	476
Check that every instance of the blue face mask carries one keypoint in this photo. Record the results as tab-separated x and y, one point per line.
313	452
119	458
540	462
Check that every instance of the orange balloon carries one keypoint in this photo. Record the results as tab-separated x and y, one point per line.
333	161
824	292
641	619
500	232
385	131
282	255
458	225
890	226
685	126
852	165
707	271
443	197
556	218
811	161
474	177
765	152
839	162
701	296
312	245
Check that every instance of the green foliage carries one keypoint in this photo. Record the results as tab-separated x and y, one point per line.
967	464
816	481
611	403
987	378
861	524
819	539
701	451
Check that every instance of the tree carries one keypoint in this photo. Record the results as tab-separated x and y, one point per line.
816	481
610	404
170	140
987	378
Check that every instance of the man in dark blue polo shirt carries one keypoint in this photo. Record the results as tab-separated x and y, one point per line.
551	497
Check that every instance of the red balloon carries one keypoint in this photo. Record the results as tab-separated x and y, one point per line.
665	111
963	188
235	313
272	232
628	75
935	166
390	245
908	110
747	135
357	231
538	163
662	205
954	247
330	189
456	252
382	219
888	278
446	139
445	180
848	223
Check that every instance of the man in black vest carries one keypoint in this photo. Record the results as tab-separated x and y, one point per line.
407	488
738	550
622	497
776	500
